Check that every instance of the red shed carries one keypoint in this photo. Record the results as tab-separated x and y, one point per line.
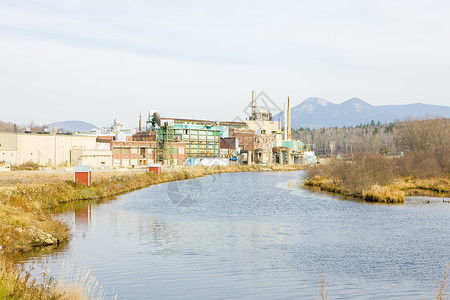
82	174
155	168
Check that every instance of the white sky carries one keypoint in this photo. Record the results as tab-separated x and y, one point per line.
99	60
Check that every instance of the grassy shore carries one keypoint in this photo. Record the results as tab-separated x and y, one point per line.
376	193
392	193
379	178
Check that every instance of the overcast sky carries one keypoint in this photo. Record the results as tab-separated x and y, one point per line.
99	60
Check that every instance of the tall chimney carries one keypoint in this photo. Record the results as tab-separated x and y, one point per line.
253	105
289	118
285	121
140	122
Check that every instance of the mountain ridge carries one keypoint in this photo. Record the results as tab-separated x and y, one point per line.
315	112
73	126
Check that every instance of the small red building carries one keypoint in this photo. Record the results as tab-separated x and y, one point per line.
155	168
82	174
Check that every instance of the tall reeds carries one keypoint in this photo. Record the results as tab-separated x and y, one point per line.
323	293
442	292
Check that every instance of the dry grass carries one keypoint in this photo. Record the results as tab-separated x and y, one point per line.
323	293
14	178
392	193
21	230
29	165
442	292
439	184
375	193
385	194
14	285
78	284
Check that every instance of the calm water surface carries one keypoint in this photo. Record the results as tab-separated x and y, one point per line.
258	236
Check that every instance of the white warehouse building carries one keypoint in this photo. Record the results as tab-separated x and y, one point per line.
53	149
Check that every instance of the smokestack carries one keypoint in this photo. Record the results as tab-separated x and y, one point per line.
253	105
285	121
140	122
289	118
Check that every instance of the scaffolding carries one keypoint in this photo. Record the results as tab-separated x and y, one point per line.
165	136
199	142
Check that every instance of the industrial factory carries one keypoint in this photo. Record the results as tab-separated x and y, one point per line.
168	141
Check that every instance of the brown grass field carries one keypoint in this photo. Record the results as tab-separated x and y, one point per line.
12	179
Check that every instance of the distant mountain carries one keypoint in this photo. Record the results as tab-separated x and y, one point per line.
73	126
317	113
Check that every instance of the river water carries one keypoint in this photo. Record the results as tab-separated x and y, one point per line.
256	235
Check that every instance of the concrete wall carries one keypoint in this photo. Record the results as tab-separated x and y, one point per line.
8	140
267	127
94	158
8	155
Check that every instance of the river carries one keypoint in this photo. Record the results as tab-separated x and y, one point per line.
256	235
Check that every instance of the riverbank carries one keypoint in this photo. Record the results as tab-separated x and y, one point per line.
376	193
391	193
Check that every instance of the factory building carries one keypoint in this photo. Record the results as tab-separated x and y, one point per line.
256	140
254	147
139	150
52	149
200	137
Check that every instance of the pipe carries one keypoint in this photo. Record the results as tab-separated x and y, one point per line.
140	122
285	121
253	105
289	118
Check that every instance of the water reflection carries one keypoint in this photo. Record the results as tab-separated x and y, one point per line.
257	235
83	216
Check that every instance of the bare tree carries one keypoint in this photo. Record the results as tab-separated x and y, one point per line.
424	135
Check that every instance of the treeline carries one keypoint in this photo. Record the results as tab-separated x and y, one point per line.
13	127
371	137
375	137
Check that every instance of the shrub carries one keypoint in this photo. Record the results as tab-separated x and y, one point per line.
366	170
26	166
424	164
